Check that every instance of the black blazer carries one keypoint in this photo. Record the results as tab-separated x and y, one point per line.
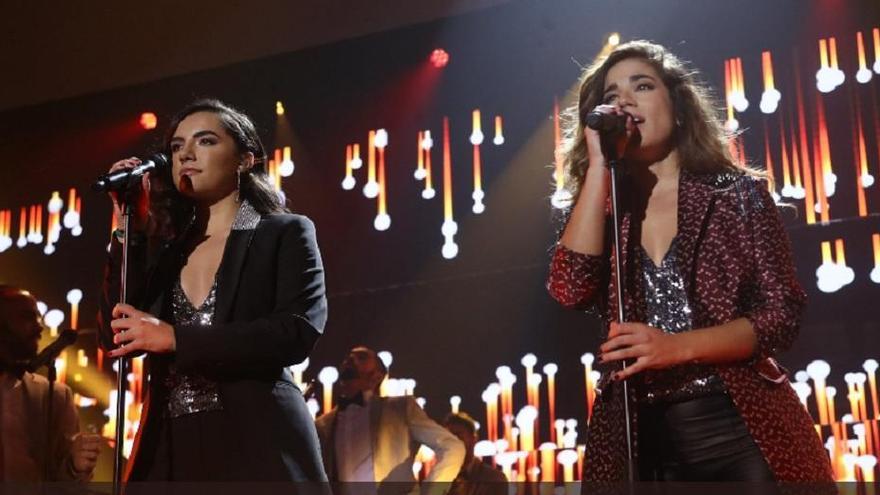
270	310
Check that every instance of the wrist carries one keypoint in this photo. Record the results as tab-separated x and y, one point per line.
686	348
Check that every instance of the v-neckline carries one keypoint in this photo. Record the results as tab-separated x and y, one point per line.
189	300
666	255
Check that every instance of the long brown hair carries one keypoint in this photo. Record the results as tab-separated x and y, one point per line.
700	137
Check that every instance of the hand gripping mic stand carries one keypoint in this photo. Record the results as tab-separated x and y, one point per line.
614	166
126	197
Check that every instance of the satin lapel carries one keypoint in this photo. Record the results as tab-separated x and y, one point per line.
234	255
694	201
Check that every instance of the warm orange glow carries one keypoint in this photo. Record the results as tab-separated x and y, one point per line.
860	43
447	172
832	49
728	83
383	202
559	174
478	180
22	226
740	78
823	53
875	242
768	161
876	34
734	76
74	316
499	129
861	164
371	157
148	120
548	464
826	252
277	155
39	226
767	69
421	160
804	155
478	173
786	167
839	252
728	89
551	404
825	154
429	181
348	158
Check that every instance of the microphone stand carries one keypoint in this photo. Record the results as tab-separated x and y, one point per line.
126	198
614	166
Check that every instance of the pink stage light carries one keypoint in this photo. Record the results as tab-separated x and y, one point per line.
439	58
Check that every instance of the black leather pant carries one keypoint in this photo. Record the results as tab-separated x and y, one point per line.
702	439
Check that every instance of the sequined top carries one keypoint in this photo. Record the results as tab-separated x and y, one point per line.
735	259
667	308
190	394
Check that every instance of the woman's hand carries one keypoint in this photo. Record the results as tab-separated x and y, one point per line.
139	219
618	141
651	348
139	331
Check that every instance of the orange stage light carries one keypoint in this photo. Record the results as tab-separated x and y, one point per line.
148	120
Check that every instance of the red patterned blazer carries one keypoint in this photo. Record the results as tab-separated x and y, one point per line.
735	259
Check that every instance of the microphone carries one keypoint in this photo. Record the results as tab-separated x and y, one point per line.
52	351
121	180
609	123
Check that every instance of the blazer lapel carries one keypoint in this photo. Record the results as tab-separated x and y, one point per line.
234	254
694	202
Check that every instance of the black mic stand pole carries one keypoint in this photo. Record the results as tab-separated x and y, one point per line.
614	167
122	362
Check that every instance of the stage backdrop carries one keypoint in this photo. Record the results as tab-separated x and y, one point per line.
453	304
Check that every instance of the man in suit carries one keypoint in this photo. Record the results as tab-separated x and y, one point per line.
367	438
29	453
475	477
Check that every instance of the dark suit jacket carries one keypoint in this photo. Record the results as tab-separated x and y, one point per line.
735	260
270	310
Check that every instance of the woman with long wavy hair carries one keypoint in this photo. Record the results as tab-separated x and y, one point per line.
226	291
709	288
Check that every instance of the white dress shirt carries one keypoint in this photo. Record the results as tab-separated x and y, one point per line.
354	449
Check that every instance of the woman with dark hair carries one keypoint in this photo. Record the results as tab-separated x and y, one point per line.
226	290
709	288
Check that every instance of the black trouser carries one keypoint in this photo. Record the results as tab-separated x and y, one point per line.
702	439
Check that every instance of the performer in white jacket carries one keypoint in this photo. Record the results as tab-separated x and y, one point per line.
368	438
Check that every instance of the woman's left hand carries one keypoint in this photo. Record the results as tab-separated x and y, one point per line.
139	331
650	347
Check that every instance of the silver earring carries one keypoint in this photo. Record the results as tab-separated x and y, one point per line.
238	187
